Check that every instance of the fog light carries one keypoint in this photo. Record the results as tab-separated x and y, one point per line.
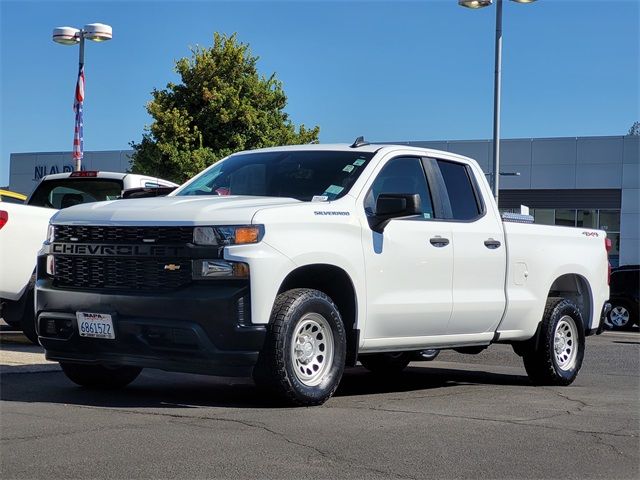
219	269
50	328
213	268
51	265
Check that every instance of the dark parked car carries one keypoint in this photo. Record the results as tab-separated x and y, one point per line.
624	297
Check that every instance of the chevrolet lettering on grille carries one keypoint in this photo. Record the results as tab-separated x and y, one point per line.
92	249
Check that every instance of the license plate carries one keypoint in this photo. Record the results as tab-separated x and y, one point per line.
95	325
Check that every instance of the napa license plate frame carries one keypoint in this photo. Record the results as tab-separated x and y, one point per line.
96	325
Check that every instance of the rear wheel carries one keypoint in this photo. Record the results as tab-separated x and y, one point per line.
619	317
98	376
558	356
386	363
304	354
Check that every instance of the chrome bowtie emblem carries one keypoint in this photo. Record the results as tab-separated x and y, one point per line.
172	267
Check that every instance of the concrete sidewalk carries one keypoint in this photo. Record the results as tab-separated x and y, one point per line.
16	356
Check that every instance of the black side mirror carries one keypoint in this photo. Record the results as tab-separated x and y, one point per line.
394	205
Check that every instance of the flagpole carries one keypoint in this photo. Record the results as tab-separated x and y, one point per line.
96	32
78	163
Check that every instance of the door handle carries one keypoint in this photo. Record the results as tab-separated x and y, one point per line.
492	244
439	242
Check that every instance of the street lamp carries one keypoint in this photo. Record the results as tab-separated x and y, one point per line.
96	32
475	4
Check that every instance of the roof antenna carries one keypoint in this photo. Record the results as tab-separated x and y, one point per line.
360	142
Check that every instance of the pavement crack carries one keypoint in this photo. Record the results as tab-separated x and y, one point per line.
520	422
325	455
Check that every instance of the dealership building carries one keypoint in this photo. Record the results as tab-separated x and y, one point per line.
590	182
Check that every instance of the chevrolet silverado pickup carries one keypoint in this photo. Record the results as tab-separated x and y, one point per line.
288	264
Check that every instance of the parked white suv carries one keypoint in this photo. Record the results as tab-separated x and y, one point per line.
289	263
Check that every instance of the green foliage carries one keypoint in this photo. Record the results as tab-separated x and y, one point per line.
222	105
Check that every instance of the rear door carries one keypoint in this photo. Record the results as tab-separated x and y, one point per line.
479	251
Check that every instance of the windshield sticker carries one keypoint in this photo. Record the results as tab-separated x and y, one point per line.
333	190
319	198
359	162
426	215
349	168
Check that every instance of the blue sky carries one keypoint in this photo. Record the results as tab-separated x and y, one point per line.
420	70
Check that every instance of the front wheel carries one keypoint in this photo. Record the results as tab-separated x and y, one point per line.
98	376
304	353
558	356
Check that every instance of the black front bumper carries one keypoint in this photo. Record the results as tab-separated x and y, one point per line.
202	328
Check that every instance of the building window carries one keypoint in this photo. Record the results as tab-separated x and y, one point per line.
566	218
587	219
544	216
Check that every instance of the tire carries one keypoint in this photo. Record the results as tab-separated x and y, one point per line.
304	354
560	347
21	313
386	363
620	317
28	321
12	312
98	376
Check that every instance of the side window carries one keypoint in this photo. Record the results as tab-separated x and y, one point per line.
462	195
401	175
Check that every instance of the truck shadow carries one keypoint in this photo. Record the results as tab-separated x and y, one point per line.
161	390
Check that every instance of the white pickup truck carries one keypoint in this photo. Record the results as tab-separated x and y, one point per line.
25	227
291	263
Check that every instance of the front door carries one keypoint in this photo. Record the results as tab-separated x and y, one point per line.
408	265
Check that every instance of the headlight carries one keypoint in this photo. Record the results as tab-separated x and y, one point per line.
51	233
228	235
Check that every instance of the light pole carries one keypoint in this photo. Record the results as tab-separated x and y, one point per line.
97	32
475	4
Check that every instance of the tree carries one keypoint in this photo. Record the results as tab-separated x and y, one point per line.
635	129
222	105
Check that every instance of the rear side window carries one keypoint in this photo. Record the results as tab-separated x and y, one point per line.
460	189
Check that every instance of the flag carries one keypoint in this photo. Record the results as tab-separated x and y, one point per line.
78	140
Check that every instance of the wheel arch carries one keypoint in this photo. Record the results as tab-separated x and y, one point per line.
337	284
576	288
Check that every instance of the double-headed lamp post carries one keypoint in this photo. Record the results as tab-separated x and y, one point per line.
96	32
475	4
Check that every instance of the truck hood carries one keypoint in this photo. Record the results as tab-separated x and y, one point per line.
204	210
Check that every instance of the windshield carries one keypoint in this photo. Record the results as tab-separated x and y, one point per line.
74	191
297	174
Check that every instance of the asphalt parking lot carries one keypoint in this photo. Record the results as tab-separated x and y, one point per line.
457	417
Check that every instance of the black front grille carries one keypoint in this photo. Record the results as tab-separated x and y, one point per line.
121	273
129	235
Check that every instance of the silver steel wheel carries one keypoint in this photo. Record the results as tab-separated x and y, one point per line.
619	316
312	349
565	343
